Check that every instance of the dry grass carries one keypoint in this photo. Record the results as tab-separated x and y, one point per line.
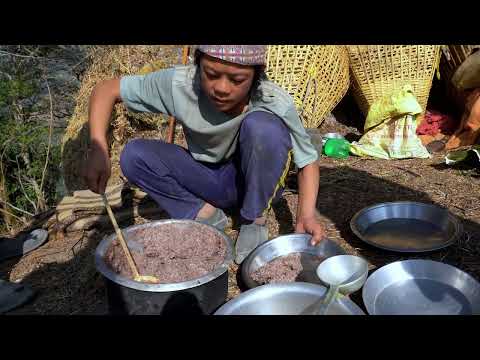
108	62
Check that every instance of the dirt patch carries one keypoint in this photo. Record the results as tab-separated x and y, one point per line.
172	253
63	271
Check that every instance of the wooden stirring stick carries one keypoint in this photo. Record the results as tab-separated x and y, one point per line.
126	250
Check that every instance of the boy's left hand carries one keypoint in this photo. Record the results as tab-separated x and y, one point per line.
312	226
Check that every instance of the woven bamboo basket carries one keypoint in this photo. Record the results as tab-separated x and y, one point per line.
453	57
377	70
316	76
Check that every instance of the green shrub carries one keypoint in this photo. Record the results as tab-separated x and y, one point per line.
24	145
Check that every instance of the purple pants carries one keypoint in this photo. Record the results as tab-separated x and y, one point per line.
181	185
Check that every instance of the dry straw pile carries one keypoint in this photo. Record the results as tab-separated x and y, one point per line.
107	62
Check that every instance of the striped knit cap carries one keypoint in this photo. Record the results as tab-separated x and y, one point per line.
237	54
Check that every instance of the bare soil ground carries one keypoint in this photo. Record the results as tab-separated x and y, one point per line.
63	271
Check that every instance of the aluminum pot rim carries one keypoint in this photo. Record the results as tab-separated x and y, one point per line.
453	219
102	267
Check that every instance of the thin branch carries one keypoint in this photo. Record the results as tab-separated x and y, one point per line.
25	193
473	209
5	53
50	127
411	172
16	208
5	143
4	194
39	194
19	177
11	214
33	53
7	75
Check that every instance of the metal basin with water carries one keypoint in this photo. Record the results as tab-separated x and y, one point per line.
406	226
421	287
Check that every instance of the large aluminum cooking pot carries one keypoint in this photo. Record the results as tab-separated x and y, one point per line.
200	296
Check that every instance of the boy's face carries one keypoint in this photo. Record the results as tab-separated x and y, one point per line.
226	84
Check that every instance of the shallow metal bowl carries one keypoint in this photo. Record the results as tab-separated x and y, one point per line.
311	256
421	287
406	226
285	299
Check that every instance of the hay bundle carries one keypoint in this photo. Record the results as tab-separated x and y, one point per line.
107	62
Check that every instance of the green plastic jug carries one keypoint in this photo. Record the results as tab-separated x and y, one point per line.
337	148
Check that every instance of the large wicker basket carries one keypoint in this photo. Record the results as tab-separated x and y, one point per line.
377	70
317	77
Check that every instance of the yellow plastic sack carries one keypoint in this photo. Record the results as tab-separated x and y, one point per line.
390	128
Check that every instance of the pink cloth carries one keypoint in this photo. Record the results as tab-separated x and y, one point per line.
435	122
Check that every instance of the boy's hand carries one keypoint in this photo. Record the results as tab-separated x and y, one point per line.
97	168
312	226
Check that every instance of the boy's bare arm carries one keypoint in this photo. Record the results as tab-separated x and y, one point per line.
104	96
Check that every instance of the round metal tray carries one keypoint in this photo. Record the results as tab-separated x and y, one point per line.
311	256
285	299
406	226
421	287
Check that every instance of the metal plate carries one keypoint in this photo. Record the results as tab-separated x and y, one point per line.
406	226
285	299
311	256
421	287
